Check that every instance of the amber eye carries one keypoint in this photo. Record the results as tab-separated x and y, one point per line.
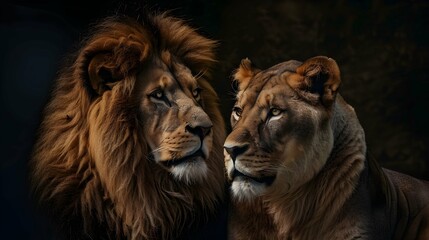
157	94
196	93
236	113
275	112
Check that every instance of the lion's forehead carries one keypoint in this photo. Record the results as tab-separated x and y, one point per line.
178	72
273	91
158	74
183	75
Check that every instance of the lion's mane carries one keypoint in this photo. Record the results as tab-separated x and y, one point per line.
130	197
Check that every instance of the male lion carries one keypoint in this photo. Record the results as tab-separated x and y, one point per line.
298	163
131	141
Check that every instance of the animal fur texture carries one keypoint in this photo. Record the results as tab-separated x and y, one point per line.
131	141
298	163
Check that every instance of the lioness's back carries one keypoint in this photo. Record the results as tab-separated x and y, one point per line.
410	186
412	204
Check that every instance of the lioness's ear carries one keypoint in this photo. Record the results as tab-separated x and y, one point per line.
102	73
244	73
319	75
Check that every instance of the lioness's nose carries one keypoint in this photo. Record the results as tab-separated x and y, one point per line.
235	150
201	131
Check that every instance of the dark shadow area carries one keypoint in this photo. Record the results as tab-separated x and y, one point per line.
382	48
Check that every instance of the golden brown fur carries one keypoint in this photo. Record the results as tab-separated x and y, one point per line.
93	168
298	165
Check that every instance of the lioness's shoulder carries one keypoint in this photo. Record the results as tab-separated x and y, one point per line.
410	187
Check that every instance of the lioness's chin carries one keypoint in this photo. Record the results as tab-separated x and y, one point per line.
245	189
190	171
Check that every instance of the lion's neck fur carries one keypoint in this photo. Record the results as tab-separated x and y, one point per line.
90	163
319	201
78	191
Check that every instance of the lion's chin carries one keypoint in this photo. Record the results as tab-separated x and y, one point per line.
246	189
190	172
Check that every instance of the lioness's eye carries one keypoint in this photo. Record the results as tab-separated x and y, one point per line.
236	113
196	93
157	94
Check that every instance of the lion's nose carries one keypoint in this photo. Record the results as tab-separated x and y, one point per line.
235	150
201	131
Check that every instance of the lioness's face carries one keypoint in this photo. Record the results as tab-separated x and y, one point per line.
175	125
279	140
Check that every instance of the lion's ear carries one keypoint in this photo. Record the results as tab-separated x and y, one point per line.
244	73
319	75
113	54
103	75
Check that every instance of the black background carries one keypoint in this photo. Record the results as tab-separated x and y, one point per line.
380	46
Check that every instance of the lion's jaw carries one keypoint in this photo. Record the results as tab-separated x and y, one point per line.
190	168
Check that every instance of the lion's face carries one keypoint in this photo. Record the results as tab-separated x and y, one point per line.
281	134
155	98
177	129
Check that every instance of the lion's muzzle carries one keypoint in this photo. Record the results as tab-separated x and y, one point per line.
235	150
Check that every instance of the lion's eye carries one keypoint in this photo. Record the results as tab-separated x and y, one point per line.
275	112
196	93
157	94
236	113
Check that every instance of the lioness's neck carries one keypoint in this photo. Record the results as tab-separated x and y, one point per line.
253	219
319	201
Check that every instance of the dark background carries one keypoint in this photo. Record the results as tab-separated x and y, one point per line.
380	46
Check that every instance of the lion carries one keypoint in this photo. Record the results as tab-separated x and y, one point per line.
131	142
298	163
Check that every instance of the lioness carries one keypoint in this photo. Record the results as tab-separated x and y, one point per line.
298	163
